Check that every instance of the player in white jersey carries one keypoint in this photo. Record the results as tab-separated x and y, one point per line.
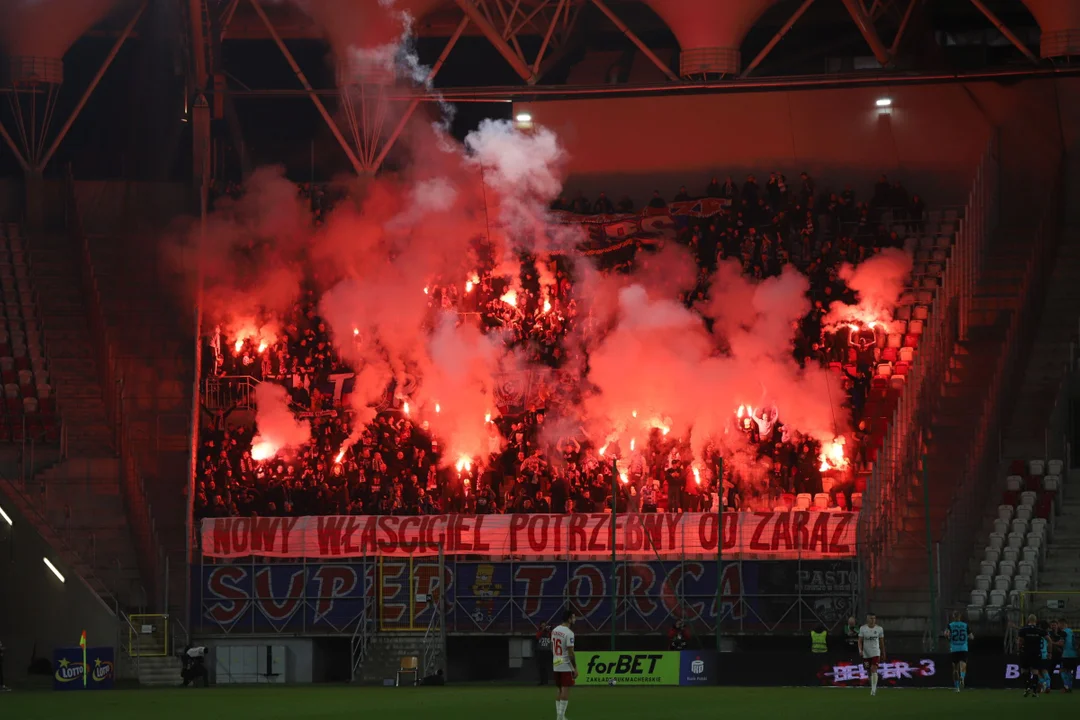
872	648
564	662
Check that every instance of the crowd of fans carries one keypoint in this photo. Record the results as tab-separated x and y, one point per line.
396	467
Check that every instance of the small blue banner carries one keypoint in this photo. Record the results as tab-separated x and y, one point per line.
697	667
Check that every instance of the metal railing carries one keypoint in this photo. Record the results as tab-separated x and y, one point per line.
900	458
971	496
229	391
139	512
361	639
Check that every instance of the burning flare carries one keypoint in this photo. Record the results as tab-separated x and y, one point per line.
464	464
340	455
832	455
510	297
263	450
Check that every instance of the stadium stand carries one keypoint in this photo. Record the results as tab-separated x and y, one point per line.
29	406
394	468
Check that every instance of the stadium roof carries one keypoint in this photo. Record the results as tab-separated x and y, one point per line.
498	50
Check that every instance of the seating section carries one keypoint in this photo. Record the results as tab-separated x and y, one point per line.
1016	549
872	365
930	242
28	409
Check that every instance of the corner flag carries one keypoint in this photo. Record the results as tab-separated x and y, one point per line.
85	667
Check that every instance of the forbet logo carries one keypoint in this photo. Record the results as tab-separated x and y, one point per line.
625	665
697	666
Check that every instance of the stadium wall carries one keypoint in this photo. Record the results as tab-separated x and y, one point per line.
931	138
38	613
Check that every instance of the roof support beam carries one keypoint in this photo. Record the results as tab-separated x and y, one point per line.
227	16
869	32
404	119
547	37
776	38
636	40
353	160
903	26
475	15
1004	30
14	149
198	43
567	41
91	87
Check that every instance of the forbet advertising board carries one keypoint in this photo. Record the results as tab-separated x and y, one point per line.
688	667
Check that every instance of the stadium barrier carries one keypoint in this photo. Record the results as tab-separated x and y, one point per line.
686	667
842	669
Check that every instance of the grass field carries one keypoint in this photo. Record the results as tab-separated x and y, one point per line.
517	703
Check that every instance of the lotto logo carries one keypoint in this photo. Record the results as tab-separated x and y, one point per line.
697	667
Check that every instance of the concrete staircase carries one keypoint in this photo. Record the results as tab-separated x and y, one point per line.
83	505
160	671
384	654
57	278
903	601
154	349
1050	352
1061	569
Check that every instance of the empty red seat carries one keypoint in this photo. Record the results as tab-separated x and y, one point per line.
1010	498
1034	484
1017	467
911	341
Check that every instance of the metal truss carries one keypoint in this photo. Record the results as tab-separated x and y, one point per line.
505	22
372	115
32	109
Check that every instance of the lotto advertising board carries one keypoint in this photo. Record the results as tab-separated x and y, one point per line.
515	598
688	667
68	669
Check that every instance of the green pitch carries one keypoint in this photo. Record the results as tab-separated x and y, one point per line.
528	703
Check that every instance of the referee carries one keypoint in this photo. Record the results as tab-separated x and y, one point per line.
1032	638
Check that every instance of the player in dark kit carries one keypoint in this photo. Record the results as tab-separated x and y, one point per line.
958	635
1057	647
1031	637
